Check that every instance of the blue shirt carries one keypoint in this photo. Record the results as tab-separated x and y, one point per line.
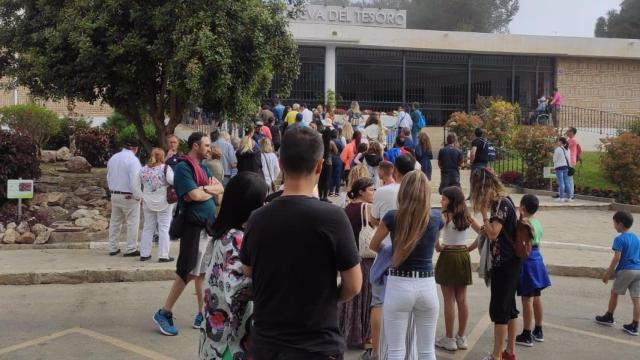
278	111
228	155
184	182
628	245
421	259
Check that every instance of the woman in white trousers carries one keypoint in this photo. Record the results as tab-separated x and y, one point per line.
411	287
154	178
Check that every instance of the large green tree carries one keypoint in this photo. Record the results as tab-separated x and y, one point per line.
623	24
150	58
448	15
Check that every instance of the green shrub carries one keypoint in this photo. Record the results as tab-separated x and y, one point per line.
621	163
463	125
96	145
116	121
535	145
130	132
500	122
34	120
62	138
633	127
19	158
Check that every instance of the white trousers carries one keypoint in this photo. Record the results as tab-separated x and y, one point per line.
124	211
153	220
404	296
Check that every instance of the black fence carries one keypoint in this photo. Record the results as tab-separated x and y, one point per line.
593	120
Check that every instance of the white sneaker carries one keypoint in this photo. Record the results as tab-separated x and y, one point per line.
461	342
447	343
558	200
570	200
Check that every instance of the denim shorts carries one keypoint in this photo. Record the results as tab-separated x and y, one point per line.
377	295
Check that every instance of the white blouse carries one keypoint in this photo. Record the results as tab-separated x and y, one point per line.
154	186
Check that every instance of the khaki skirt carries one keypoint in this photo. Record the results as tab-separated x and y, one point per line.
454	268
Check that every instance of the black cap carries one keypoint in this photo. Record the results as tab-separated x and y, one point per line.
132	142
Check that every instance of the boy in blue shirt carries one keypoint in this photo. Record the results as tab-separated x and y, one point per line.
626	264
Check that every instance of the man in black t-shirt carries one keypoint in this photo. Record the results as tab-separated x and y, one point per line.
450	159
293	249
479	156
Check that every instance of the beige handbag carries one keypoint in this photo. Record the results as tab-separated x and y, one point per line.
366	234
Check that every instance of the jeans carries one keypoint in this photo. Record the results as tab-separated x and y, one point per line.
564	184
152	220
336	176
570	186
127	211
404	296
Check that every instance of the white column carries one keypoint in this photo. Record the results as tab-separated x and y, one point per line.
329	69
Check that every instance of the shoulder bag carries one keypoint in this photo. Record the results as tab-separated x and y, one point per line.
272	186
172	196
572	170
365	236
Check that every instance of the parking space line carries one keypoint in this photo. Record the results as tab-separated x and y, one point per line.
37	341
586	333
474	336
123	344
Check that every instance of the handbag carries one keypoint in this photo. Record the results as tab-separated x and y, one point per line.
172	196
365	236
176	228
572	170
273	186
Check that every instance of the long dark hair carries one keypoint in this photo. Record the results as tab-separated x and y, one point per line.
327	134
456	210
357	137
244	193
565	143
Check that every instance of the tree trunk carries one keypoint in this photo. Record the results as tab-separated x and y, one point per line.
137	121
71	107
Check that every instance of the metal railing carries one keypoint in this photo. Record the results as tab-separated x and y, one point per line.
593	120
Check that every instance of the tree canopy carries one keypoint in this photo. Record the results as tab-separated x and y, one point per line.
623	24
150	58
447	15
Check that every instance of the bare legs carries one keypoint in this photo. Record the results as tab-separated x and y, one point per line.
376	323
537	310
178	287
613	302
455	295
500	333
199	284
636	309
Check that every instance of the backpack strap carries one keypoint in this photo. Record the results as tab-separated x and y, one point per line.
363	214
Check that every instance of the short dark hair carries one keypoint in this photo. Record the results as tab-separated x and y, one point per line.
400	140
303	105
404	164
359	185
624	218
573	130
451	139
300	150
478	132
215	135
530	203
195	138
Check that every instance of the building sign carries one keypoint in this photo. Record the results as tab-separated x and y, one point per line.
338	15
19	189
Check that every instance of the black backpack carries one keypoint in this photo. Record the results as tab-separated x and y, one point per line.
490	150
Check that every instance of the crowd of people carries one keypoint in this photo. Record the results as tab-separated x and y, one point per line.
264	244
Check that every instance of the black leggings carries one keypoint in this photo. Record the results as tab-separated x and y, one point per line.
504	283
324	183
264	354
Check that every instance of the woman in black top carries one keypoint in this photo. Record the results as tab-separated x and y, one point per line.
248	156
324	183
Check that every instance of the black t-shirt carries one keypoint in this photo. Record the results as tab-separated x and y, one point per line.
502	250
450	159
172	162
481	150
295	246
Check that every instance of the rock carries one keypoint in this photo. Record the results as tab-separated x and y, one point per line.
63	154
23	228
39	199
11	225
47	188
95	224
84	213
38	229
48	156
56	213
2	228
50	179
1	237
10	236
78	164
99	203
74	202
54	199
26	238
91	193
44	237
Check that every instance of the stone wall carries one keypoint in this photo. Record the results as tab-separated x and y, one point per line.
603	84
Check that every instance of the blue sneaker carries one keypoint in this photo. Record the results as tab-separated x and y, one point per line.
198	321
165	323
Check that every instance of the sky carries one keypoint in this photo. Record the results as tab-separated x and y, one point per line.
560	17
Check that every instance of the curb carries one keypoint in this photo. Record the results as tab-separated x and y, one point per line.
139	275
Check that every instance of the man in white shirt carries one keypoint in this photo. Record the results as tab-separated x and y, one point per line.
385	199
404	120
307	115
122	170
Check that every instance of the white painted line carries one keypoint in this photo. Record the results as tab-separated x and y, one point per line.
122	344
37	341
474	336
586	333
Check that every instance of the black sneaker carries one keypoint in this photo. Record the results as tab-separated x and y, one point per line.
606	320
538	335
132	254
114	253
145	258
524	340
164	260
630	329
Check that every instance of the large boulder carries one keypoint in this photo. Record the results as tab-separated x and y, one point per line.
84	213
10	236
56	213
54	199
78	164
101	203
73	201
38	229
23	228
26	238
90	193
63	154
12	226
2	228
44	237
48	156
95	224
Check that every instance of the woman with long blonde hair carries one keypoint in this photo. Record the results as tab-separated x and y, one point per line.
248	154
411	287
489	198
154	178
